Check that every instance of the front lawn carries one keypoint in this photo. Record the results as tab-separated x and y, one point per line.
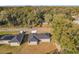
4	32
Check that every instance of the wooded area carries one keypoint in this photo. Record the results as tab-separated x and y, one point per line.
32	16
59	20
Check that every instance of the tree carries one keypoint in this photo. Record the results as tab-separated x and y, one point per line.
60	26
48	18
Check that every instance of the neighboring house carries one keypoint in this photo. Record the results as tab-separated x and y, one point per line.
12	40
34	38
76	21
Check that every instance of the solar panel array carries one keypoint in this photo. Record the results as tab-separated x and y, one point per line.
7	37
36	37
43	36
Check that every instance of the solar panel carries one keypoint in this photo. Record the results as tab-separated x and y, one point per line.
7	37
38	36
43	36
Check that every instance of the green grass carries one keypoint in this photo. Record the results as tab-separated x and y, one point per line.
2	33
6	49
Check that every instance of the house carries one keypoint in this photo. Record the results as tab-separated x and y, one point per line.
4	39
35	38
76	21
16	41
12	40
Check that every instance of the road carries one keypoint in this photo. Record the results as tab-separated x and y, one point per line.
40	29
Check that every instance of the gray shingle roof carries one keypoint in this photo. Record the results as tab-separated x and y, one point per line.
1	36
18	38
32	37
14	40
43	36
7	37
36	36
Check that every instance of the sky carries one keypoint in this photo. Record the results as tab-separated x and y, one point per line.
39	2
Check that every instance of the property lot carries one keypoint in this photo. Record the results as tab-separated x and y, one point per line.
41	48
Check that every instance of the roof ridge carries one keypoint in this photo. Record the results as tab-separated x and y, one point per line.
15	38
35	37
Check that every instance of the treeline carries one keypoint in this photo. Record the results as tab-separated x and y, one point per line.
32	16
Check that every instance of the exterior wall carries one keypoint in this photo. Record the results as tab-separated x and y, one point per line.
45	40
32	43
14	44
4	42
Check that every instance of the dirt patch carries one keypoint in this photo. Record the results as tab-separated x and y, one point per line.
41	48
